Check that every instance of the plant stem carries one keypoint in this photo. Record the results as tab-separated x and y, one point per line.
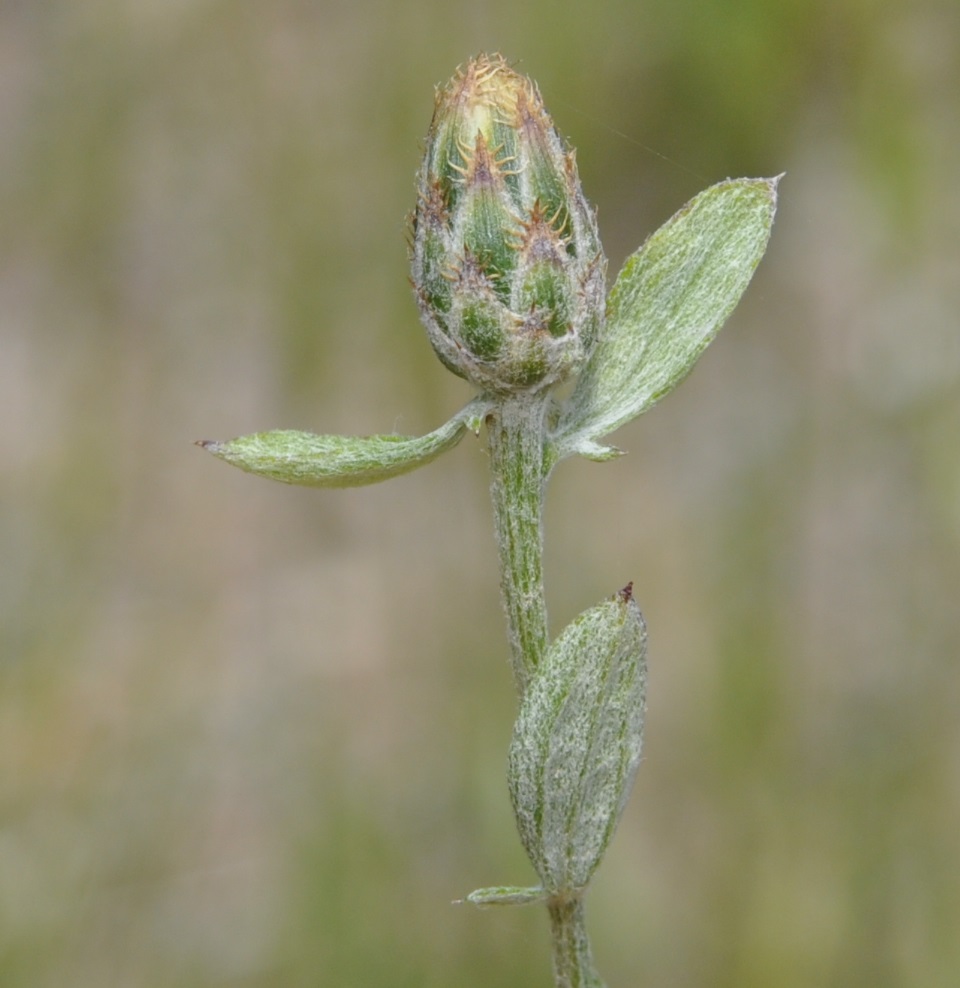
572	960
516	432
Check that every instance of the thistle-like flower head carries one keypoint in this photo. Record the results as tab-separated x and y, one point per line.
507	264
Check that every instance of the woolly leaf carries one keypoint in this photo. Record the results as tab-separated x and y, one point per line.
576	744
505	895
342	461
668	303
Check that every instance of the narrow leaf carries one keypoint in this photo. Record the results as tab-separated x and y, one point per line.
576	744
342	461
505	895
668	302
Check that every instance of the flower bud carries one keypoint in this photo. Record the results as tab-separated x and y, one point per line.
507	264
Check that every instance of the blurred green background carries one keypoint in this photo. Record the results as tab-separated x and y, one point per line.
255	736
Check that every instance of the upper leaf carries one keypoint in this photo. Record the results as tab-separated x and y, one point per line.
669	300
342	461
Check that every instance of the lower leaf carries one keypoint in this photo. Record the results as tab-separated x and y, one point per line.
577	741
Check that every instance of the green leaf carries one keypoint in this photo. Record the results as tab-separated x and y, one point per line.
506	895
576	744
669	300
343	461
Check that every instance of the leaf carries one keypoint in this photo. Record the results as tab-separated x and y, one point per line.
576	744
668	303
505	895
342	461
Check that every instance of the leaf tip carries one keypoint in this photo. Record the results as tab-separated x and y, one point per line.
210	445
597	452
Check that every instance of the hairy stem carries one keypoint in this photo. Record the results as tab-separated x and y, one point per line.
516	435
518	463
572	960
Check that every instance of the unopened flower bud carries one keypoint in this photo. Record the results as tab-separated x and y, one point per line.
507	263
